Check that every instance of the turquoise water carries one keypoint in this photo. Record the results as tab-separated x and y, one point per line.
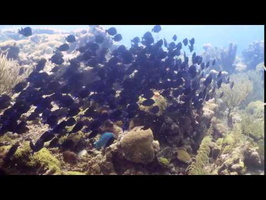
217	35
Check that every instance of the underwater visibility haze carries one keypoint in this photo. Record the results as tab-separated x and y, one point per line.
132	100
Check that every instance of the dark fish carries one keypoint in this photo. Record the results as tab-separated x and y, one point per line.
55	69
156	29
132	107
174	38
20	86
104	116
208	80
74	110
33	116
111	31
95	124
11	152
207	97
213	62
195	84
57	58
187	91
41	64
90	112
47	136
127	57
66	101
165	43
192	71
68	144
171	46
99	38
92	46
155	109
148	102
135	40
117	37
179	46
198	104
52	120
23	108
82	49
21	128
232	85
148	94
5	101
222	94
52	87
193	56
159	43
178	82
219	74
70	38
25	31
77	127
191	48
227	80
93	134
192	41
147	38
109	142
208	64
219	83
117	114
185	41
60	127
38	145
46	114
63	47
54	143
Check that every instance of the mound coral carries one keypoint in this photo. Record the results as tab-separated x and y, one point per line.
137	145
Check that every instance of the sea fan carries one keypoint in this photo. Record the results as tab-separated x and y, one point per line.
202	158
9	74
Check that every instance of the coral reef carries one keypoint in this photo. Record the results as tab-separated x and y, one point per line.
254	54
24	162
225	57
257	78
228	57
11	51
73	173
99	108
